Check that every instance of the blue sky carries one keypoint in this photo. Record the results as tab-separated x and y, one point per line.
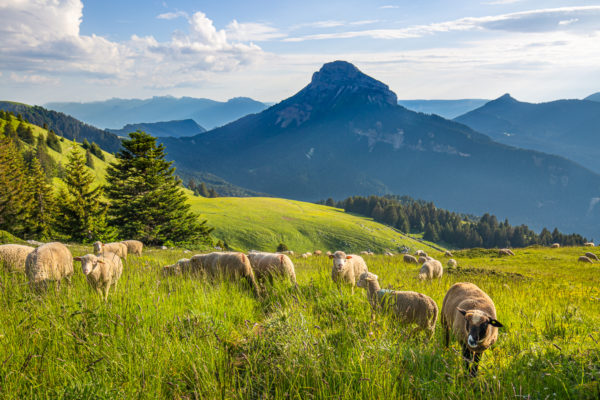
72	50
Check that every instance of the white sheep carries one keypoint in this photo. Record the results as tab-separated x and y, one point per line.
471	315
555	245
347	268
589	244
410	259
102	271
505	252
585	259
409	307
448	253
420	253
452	263
134	247
317	252
49	262
268	265
182	266
231	265
431	269
591	256
117	248
13	256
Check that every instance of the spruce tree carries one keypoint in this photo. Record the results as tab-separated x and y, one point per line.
83	214
42	209
147	202
53	142
15	199
203	191
89	160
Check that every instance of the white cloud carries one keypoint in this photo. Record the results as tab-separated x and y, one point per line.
568	21
35	79
173	15
252	31
500	2
388	7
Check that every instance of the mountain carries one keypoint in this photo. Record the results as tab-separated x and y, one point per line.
444	108
569	128
184	127
593	97
64	125
115	113
344	134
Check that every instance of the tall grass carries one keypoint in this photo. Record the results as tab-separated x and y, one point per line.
187	338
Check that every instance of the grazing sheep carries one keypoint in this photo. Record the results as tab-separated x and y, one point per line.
422	259
49	262
585	259
287	252
182	266
134	247
13	256
420	253
409	307
448	253
589	244
304	255
101	271
317	252
505	252
452	263
410	259
347	268
230	265
328	253
389	254
117	248
555	245
371	253
268	265
431	269
364	253
471	315
591	256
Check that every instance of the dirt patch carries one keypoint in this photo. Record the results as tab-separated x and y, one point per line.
490	272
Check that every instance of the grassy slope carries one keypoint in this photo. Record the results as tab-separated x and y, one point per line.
184	337
261	223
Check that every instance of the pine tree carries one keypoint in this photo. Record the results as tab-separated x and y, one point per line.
9	130
89	160
329	202
15	199
203	191
147	202
83	214
53	142
212	193
25	133
42	210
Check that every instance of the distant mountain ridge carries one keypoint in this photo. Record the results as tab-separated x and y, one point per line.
444	108
116	113
593	97
569	128
344	134
180	128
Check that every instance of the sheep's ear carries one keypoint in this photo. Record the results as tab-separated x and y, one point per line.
77	259
496	323
348	257
463	312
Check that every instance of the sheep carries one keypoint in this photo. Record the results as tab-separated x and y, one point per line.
328	253
448	253
182	266
389	254
266	265
317	252
409	307
117	248
304	255
585	259
555	245
420	253
452	263
13	256
591	256
505	252
431	269
347	268
101	271
49	262
364	253
422	260
471	315
286	252
410	259
371	253
231	265
134	247
589	244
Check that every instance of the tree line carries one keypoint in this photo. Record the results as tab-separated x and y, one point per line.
457	230
142	198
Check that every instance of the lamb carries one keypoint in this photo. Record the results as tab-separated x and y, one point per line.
317	252
267	265
589	244
410	259
13	256
452	263
505	252
409	307
49	262
585	259
134	247
422	260
420	253
431	269
591	256
231	265
117	248
471	315
101	271
180	267
555	245
347	268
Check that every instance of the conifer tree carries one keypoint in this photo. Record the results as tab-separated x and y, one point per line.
147	202
212	193
15	199
42	209
203	191
25	133
53	142
83	214
89	160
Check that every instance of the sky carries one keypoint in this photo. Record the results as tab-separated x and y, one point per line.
73	50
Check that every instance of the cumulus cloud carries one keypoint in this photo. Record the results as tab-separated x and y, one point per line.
42	38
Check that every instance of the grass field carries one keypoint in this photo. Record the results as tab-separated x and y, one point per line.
186	338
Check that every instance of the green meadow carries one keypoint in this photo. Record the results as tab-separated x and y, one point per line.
188	338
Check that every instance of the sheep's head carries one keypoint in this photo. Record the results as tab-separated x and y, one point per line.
171	270
365	278
88	262
98	247
479	326
339	260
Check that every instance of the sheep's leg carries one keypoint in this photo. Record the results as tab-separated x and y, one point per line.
475	364
467	356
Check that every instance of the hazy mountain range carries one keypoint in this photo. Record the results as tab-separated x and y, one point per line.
445	108
116	113
344	134
184	127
